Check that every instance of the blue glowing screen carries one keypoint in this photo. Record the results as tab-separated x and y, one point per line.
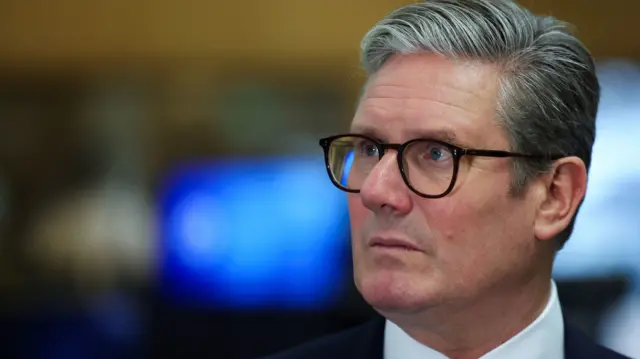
254	233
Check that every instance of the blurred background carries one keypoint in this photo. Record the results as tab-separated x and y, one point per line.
162	191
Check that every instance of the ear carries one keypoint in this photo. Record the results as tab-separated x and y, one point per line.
565	189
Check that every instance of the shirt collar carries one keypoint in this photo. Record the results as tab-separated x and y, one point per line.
542	339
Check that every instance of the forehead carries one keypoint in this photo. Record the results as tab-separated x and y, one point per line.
415	95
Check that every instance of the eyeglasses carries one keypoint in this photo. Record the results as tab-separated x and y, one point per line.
428	167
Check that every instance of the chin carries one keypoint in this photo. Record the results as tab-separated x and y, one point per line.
397	292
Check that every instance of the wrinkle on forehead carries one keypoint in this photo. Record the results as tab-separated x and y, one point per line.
425	68
433	77
430	90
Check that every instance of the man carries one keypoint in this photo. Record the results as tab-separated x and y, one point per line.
465	165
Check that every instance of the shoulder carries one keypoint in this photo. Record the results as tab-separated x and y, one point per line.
601	352
344	344
579	345
330	346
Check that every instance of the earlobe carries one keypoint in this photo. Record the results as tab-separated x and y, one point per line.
565	189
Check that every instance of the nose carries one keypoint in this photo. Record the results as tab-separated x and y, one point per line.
384	189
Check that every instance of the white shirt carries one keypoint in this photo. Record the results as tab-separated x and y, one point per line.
542	339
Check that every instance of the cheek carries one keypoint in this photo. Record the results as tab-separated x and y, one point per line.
357	215
469	224
357	209
477	233
464	253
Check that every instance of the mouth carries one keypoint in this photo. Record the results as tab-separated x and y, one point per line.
394	244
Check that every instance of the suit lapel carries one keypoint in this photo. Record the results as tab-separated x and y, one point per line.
577	345
368	343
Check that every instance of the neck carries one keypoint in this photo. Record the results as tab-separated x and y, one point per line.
474	328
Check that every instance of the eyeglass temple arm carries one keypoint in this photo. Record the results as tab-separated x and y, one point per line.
498	153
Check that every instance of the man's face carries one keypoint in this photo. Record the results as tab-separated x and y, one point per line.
477	237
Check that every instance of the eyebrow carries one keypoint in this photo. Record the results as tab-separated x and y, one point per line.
445	135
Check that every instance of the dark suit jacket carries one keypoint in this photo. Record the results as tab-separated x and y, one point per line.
365	342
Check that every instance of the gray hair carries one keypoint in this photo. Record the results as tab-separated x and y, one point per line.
549	91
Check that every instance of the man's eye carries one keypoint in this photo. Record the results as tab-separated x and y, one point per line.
437	153
367	149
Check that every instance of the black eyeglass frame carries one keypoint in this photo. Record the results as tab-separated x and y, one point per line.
456	151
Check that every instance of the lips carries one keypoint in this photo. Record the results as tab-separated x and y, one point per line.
393	243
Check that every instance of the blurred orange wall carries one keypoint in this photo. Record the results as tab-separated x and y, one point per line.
74	31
